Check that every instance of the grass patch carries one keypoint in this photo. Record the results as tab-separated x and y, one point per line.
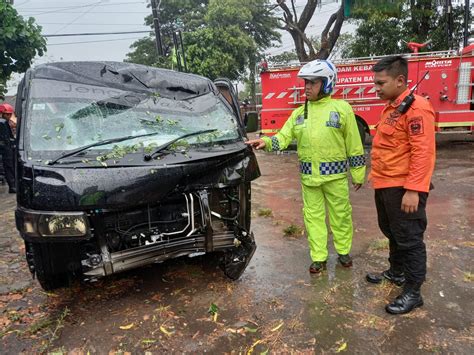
379	244
39	325
265	212
293	230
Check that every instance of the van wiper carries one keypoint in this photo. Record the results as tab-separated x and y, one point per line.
97	144
166	145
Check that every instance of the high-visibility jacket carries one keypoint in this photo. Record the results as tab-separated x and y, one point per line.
328	141
403	149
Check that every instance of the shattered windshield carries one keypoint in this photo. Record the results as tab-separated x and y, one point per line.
64	116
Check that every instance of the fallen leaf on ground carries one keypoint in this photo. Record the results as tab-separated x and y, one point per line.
127	327
341	348
166	331
251	330
253	346
277	327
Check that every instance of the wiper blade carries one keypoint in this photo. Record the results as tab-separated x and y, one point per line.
166	145
97	144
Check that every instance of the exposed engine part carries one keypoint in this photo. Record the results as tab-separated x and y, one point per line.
94	260
196	222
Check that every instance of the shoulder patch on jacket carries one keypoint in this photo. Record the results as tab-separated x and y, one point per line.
415	126
299	120
334	120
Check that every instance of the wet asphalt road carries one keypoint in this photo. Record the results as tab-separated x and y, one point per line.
277	305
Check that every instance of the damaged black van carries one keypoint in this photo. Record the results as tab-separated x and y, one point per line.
121	165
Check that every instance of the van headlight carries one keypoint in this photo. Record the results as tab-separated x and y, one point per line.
65	224
62	225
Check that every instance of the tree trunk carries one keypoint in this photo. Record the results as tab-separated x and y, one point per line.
296	27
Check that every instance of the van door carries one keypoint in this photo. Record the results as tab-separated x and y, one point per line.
227	90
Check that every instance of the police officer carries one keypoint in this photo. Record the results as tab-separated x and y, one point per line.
7	113
328	141
403	158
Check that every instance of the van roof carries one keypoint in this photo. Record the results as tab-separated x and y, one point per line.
126	76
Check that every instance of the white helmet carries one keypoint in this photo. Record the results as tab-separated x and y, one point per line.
320	69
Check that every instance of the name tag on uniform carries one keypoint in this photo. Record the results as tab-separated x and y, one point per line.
299	120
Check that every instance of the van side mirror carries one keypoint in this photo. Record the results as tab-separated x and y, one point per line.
251	121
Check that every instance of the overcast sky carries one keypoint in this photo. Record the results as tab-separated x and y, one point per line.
80	16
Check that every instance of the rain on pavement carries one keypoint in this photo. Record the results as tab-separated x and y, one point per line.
187	304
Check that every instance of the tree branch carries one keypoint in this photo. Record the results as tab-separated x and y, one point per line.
294	10
307	13
329	39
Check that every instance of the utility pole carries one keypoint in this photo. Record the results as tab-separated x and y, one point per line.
156	25
449	22
180	37
467	10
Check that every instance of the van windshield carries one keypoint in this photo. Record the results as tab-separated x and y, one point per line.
64	116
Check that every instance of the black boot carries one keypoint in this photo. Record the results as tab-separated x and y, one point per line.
406	302
388	275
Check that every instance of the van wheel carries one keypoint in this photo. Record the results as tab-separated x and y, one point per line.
50	265
362	132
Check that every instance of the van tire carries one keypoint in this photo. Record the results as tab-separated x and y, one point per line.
50	266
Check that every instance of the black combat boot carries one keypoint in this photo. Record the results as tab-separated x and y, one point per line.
345	260
397	279
406	302
317	267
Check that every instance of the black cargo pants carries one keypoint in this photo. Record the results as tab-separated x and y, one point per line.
404	232
9	167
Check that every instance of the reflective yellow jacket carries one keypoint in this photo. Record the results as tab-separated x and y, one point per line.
328	141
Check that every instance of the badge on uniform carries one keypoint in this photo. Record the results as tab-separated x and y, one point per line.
415	126
299	120
334	120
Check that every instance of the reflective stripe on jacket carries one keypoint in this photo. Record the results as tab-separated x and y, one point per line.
403	149
328	141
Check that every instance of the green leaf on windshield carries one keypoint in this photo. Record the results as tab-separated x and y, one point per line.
150	147
59	127
158	119
172	122
45	136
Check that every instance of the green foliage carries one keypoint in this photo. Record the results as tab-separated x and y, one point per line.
293	230
285	57
379	244
221	37
214	52
377	35
20	42
382	32
265	212
391	8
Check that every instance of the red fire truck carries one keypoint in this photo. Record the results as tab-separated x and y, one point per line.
448	85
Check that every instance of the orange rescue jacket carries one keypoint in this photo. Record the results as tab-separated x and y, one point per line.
403	149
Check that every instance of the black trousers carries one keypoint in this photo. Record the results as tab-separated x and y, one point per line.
9	168
405	234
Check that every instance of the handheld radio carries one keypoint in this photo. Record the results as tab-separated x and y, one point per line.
408	100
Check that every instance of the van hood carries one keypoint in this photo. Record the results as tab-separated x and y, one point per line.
59	188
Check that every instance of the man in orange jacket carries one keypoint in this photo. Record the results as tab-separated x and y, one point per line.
403	158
